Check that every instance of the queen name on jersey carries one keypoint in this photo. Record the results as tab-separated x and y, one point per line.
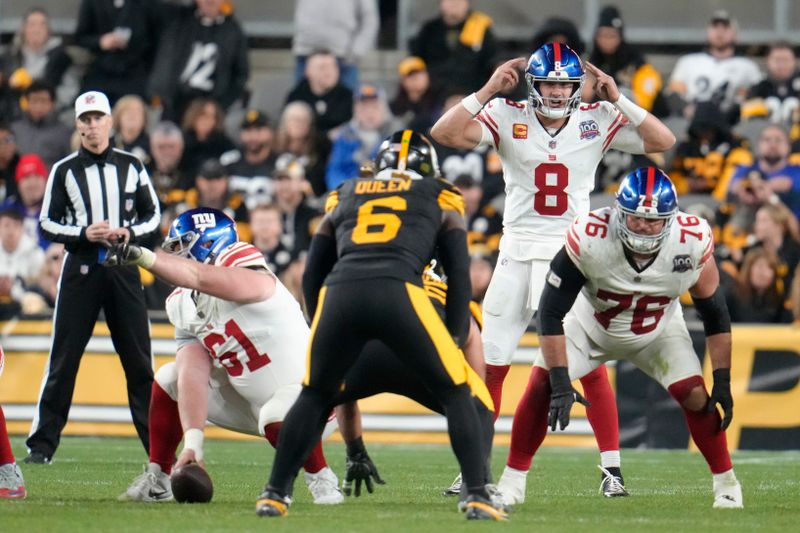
563	163
626	304
256	344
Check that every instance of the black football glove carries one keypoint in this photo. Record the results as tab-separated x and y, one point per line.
123	254
359	467
721	394
561	398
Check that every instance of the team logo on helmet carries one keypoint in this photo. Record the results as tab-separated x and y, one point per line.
203	221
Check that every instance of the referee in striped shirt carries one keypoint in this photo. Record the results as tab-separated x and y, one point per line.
97	195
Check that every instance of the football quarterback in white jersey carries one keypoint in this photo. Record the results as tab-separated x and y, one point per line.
549	146
241	342
621	273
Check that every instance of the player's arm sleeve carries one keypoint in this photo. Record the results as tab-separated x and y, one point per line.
562	286
714	313
452	243
622	135
489	119
183	337
321	258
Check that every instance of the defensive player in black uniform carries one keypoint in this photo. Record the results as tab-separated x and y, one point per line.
369	252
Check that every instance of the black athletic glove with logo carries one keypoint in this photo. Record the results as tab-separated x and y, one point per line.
561	398
359	467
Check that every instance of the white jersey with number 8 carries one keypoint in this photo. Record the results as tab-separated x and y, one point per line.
548	177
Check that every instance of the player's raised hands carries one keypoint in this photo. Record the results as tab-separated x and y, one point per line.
506	76
561	398
604	86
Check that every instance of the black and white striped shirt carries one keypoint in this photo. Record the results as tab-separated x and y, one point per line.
84	188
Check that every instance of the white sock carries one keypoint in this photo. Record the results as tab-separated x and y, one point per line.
725	477
515	472
610	459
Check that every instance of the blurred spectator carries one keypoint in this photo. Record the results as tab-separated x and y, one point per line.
292	279
322	89
299	219
39	131
715	75
484	221
266	223
122	36
203	135
252	165
635	77
31	181
298	136
9	157
166	147
130	127
559	30
202	53
212	190
35	54
482	163
458	46
480	273
417	104
756	295
359	140
21	259
709	156
771	173
349	32
46	283
777	96
776	230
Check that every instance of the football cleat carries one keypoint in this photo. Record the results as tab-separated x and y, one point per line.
612	486
151	486
324	487
270	503
12	486
728	492
37	458
477	507
512	486
454	489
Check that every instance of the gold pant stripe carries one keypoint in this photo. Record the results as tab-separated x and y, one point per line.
478	387
449	354
317	314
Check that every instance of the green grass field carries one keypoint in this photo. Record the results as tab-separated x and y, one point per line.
671	491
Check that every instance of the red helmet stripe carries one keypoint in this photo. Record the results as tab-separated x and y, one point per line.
651	182
557	52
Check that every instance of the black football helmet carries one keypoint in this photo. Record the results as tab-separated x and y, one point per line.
406	153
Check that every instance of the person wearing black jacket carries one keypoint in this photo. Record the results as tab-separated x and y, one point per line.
121	35
458	47
202	52
95	197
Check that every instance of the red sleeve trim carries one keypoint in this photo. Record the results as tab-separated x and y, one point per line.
492	129
235	254
572	243
613	132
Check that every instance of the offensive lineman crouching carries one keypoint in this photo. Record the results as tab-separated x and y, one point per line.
617	281
241	350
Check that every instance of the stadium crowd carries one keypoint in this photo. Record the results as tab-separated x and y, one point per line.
737	162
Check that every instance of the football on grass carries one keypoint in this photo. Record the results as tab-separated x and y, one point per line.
191	484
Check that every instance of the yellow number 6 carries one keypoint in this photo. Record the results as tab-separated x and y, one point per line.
389	223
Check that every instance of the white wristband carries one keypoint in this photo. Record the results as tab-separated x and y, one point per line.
147	259
634	113
193	440
472	104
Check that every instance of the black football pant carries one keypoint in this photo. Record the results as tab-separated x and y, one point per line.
85	288
400	315
379	370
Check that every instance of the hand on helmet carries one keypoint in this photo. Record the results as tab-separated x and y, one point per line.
604	87
506	76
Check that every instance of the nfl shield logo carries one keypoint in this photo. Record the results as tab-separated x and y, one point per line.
84	269
552	144
89	99
129	204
